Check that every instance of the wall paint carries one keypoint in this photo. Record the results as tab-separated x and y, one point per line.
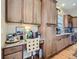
3	24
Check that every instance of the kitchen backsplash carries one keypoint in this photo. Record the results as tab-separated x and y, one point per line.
11	27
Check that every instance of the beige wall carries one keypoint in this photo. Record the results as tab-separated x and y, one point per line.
3	24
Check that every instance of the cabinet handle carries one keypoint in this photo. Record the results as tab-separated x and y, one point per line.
59	39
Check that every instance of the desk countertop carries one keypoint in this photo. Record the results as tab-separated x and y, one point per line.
21	42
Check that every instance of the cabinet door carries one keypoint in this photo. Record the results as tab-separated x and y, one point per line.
48	42
59	44
28	11
50	36
66	41
14	10
48	48
52	12
65	21
74	21
49	12
37	11
17	55
54	48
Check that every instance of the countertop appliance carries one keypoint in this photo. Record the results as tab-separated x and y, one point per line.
12	38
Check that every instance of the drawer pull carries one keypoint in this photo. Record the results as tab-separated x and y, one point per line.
59	39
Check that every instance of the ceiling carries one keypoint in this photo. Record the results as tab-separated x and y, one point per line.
68	6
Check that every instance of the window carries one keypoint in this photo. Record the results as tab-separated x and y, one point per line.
60	24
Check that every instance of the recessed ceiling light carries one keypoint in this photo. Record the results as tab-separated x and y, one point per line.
63	4
74	4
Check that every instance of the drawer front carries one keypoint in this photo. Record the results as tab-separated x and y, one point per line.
12	50
17	55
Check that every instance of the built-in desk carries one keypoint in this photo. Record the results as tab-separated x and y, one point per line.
15	51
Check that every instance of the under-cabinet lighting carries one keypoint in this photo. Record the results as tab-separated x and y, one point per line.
63	5
74	4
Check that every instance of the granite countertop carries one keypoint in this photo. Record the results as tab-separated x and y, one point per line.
63	34
21	42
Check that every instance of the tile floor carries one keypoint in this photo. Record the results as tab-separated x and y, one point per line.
68	53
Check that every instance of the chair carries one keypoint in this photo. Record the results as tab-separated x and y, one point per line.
32	47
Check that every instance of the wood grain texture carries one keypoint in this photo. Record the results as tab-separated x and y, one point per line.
37	11
12	50
17	55
47	32
14	10
74	21
28	13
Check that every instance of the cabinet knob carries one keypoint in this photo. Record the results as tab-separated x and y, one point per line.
59	39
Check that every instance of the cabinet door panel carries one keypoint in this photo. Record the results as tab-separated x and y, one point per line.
37	11
50	41
28	11
48	48
65	42
52	13
74	20
49	12
54	48
14	10
59	44
17	55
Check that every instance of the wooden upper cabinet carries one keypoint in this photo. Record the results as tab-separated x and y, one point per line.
55	14
28	11
14	10
52	12
74	21
37	11
49	19
67	20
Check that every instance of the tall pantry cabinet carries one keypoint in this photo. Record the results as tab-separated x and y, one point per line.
49	13
26	11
